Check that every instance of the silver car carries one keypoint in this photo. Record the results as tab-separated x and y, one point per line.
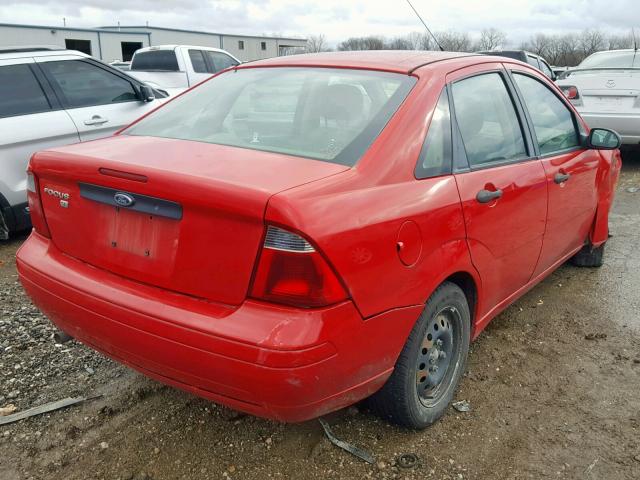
605	89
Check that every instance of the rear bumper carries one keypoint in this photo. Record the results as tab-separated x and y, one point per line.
277	362
627	125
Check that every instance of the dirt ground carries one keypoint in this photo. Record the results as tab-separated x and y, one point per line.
553	383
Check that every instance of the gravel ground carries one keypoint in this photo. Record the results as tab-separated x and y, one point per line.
553	385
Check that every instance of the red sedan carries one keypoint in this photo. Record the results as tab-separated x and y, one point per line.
300	233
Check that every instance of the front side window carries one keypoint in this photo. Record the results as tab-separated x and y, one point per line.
435	156
552	120
197	60
320	113
83	84
220	61
487	120
20	92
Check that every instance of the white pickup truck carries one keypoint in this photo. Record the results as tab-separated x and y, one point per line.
178	67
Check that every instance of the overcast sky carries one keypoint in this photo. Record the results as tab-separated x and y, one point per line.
337	19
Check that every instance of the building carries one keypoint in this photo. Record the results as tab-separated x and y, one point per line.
119	42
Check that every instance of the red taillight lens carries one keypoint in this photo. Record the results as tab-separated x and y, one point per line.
571	92
291	271
35	206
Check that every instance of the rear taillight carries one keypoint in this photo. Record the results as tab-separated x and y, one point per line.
570	92
35	206
291	271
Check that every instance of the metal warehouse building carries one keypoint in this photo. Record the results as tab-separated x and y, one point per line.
119	42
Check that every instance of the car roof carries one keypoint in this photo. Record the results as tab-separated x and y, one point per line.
401	61
35	51
173	47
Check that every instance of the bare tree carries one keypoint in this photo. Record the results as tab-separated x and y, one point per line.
362	43
452	41
399	43
491	39
317	43
591	41
617	42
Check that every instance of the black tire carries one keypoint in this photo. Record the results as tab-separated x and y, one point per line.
407	398
589	256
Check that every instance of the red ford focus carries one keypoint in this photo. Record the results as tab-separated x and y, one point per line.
300	233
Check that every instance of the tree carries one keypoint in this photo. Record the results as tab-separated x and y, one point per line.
591	41
491	39
399	43
453	41
362	43
317	43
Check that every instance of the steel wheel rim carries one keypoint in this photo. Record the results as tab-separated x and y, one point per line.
437	358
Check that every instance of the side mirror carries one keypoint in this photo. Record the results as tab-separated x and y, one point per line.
603	139
146	93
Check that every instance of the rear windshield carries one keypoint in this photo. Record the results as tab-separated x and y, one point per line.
320	113
158	60
625	59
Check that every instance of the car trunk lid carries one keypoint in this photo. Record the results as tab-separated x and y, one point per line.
185	216
607	90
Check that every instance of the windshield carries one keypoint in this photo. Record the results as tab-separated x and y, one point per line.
158	60
321	113
613	59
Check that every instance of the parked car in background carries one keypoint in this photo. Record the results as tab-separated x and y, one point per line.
527	57
560	71
178	66
124	66
605	89
51	97
300	233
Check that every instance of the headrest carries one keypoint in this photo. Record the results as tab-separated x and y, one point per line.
341	102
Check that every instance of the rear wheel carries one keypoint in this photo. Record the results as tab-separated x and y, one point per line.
589	256
431	363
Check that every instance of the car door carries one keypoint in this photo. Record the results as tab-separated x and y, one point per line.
219	60
197	66
570	168
99	99
502	185
31	119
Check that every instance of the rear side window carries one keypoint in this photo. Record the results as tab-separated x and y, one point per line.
84	84
220	61
20	92
435	157
197	60
156	60
552	121
487	120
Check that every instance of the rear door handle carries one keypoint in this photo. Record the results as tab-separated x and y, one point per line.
561	177
96	120
486	196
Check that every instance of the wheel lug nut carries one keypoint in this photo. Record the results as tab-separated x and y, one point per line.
439	343
443	354
433	369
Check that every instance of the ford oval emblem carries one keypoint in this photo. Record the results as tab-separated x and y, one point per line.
124	199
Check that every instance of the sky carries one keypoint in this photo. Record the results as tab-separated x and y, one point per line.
336	19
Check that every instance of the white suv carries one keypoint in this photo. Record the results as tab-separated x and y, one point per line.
52	97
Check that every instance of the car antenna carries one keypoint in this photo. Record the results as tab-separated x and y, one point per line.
425	26
633	33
